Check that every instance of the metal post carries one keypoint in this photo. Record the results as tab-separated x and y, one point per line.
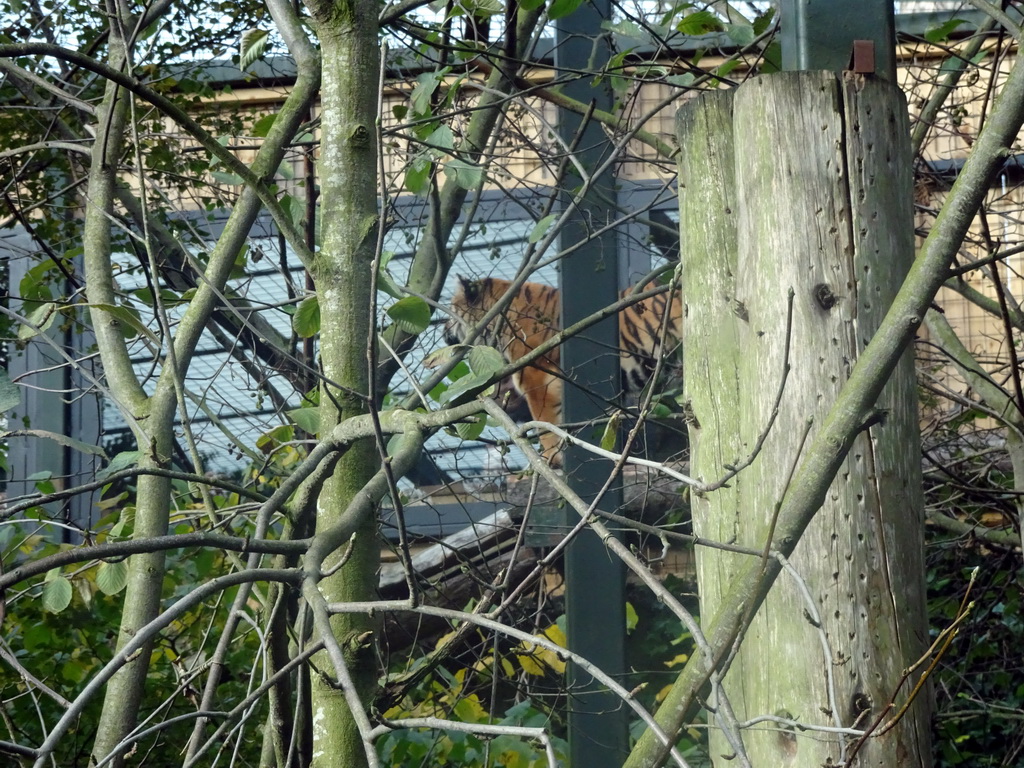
54	400
819	34
595	603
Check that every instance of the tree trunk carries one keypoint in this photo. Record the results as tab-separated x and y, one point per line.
802	183
342	273
123	695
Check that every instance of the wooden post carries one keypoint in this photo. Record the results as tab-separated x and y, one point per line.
802	182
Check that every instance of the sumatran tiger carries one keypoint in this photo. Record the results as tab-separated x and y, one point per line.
533	316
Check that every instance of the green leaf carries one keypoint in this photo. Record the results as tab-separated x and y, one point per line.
111	578
466	175
123	460
470	430
306	320
205	561
454	394
561	8
295	208
611	432
541	228
262	126
626	28
660	411
10	393
440	356
56	593
530	5
631	618
417	176
282	433
307	419
228	179
726	68
35	285
485	361
74	670
129	319
771	60
42	317
42	481
483	7
411	314
943	31
67	442
145	295
253	44
699	23
442	138
384	280
121	529
684	80
426	84
741	34
763	21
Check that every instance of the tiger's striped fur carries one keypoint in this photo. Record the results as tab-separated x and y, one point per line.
534	315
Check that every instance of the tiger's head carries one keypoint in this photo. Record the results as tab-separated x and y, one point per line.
468	307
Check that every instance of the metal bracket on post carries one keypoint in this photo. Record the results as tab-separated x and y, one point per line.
862	57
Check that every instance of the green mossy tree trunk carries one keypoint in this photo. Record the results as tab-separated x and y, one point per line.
805	186
342	273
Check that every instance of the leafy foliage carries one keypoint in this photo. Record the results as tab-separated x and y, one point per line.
70	639
450	79
979	686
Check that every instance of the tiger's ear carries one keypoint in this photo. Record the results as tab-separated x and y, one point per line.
470	289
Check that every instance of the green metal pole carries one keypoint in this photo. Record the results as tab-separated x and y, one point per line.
819	34
595	583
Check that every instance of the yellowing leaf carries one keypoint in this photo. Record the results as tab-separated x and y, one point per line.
530	665
631	618
681	658
553	660
470	710
443	640
555	634
541	660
